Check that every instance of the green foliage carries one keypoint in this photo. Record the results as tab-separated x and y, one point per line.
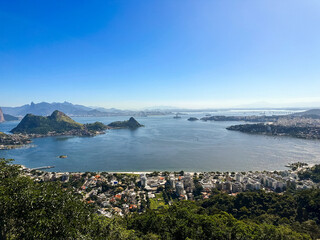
31	210
187	220
46	210
97	126
313	174
158	202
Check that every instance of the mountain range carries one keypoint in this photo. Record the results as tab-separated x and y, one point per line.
45	109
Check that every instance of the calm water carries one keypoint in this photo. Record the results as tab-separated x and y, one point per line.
165	144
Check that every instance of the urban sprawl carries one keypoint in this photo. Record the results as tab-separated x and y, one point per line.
122	193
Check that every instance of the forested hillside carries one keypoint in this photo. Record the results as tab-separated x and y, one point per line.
46	210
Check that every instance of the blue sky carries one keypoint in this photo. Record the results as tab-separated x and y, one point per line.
135	54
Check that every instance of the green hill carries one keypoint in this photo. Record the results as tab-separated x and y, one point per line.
57	122
131	123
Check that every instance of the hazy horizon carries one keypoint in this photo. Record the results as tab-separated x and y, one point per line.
140	54
256	105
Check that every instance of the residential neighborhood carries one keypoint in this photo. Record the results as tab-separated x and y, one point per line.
123	193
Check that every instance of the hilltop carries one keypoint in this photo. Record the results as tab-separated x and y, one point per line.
57	123
131	123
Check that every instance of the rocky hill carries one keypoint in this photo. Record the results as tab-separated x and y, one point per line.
1	116
131	123
57	123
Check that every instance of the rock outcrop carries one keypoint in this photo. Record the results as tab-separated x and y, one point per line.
193	119
1	116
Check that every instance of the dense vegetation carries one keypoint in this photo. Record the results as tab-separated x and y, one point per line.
47	210
97	126
32	210
313	174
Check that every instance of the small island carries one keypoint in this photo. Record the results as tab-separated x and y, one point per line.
131	124
193	119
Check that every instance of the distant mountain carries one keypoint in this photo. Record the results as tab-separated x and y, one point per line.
308	113
8	117
57	123
1	116
45	109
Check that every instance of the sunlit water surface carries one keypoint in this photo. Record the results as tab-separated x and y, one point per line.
165	144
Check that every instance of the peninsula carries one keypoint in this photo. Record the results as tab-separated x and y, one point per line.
306	128
11	141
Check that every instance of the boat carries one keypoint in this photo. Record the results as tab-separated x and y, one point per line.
176	116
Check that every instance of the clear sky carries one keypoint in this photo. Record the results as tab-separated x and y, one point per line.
143	53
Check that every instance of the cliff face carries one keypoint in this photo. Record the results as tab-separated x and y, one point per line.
1	116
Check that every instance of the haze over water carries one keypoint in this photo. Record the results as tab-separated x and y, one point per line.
165	144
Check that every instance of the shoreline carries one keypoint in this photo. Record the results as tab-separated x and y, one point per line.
309	165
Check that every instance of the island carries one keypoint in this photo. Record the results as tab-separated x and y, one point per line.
56	124
131	124
193	119
11	141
